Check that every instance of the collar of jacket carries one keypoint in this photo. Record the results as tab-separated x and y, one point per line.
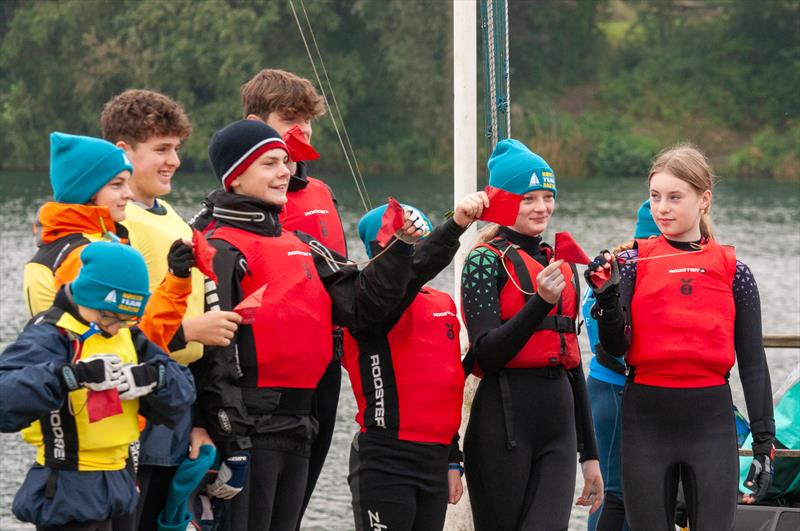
246	213
300	179
531	244
61	219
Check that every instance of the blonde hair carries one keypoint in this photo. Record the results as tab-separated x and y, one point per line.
486	234
689	164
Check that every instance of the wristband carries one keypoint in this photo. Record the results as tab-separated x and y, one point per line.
456	466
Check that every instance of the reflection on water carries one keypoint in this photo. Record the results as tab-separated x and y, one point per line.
761	218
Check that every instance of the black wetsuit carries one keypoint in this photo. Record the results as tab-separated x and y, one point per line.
686	434
529	486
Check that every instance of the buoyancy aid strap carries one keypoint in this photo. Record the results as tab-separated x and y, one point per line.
558	323
523	275
51	484
508	414
607	360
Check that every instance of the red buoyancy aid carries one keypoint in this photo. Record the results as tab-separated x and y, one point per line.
682	315
312	210
413	387
292	329
556	341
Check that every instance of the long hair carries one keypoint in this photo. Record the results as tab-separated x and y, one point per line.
486	234
689	164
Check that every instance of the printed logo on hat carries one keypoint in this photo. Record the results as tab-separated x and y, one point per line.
111	298
125	159
131	302
534	180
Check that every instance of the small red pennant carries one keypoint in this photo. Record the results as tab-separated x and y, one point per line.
601	277
102	404
391	222
203	255
567	249
299	147
250	305
503	206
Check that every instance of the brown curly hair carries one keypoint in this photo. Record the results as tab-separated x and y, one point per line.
282	92
137	115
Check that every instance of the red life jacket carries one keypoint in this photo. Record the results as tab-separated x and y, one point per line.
555	342
292	331
312	210
682	315
409	382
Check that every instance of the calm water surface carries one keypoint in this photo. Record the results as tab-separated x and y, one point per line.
761	218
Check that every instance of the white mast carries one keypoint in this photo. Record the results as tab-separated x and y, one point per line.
465	117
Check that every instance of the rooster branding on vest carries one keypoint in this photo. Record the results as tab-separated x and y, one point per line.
377	383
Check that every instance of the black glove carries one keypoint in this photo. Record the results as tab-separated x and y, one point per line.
607	288
98	373
759	477
180	259
140	380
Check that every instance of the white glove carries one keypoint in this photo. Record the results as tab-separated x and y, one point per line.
137	380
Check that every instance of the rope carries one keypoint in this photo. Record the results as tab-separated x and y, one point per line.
508	273
490	29
507	66
361	192
351	262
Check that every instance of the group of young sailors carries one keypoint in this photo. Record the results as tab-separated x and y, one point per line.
124	324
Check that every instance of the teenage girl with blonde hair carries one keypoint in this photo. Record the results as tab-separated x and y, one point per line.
682	309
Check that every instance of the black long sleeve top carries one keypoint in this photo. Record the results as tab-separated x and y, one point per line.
493	342
614	331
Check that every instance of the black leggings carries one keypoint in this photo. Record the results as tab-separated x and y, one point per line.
679	434
531	486
326	400
273	492
398	485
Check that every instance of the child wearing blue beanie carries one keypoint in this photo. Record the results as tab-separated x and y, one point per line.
75	381
90	186
516	169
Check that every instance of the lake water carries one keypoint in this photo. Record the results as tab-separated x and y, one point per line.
761	218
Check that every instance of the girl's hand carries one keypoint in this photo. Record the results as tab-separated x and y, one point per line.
454	486
551	282
470	208
592	494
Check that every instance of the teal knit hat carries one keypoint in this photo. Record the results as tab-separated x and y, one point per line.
81	165
645	225
516	169
113	277
370	224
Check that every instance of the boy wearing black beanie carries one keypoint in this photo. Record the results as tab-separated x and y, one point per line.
256	396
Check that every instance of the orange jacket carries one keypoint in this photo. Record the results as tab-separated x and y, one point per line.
56	263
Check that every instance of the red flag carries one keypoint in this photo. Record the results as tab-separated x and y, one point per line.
600	277
102	404
567	249
203	255
503	206
250	305
299	147
392	221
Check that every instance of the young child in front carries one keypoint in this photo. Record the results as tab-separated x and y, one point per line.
74	382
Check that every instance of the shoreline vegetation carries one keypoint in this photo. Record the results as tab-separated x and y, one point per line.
597	88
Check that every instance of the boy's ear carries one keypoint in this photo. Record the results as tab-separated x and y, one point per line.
124	145
253	117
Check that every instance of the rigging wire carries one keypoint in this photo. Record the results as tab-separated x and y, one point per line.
360	186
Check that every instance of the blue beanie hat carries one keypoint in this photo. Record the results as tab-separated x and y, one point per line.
113	277
516	169
370	224
645	225
81	165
